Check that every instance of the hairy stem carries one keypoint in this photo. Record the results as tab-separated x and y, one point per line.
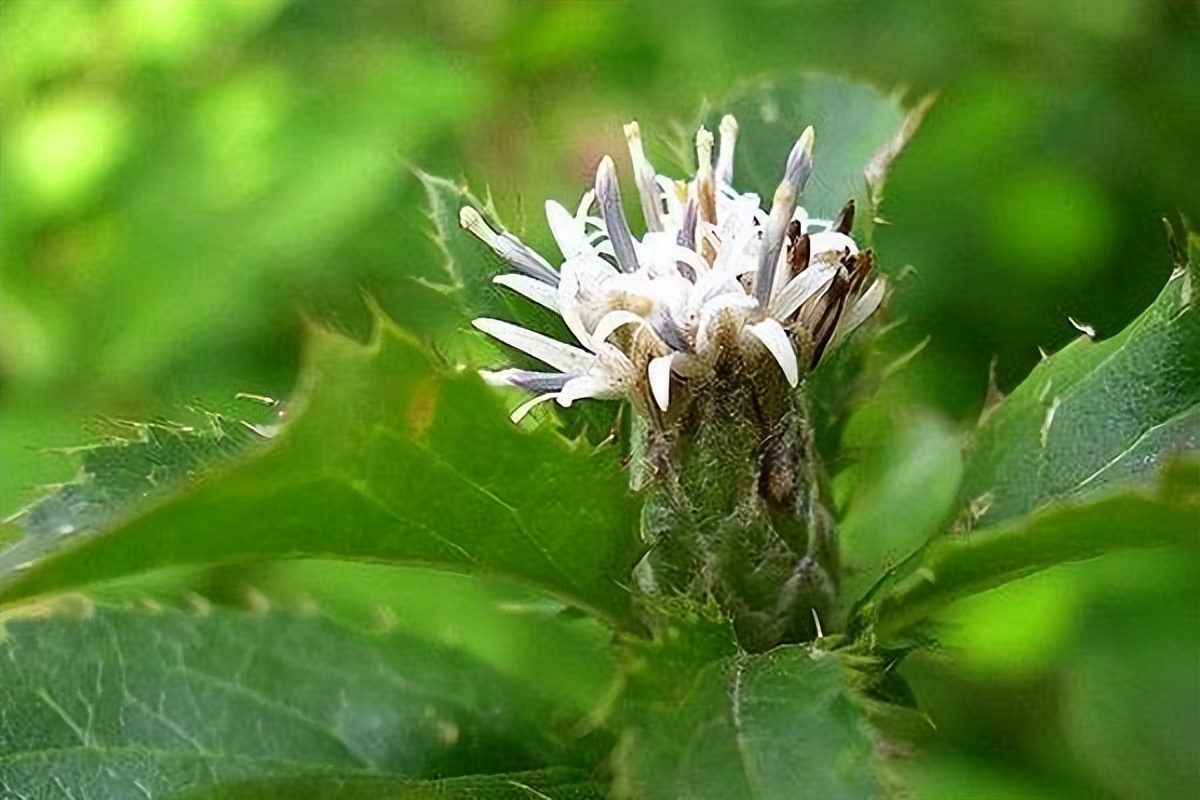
733	509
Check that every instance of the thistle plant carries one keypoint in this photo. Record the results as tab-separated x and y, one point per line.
397	588
708	324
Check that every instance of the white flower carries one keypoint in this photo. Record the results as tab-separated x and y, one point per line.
713	278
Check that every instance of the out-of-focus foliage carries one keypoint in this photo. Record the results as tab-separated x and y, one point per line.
184	182
181	178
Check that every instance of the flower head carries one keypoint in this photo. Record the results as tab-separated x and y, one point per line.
713	281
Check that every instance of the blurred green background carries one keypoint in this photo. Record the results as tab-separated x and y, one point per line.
184	183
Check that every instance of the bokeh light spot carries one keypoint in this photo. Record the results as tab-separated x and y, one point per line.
1049	224
65	149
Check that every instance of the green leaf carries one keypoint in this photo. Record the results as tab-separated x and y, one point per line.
468	267
467	263
1095	414
903	495
859	130
777	725
557	782
513	630
662	669
954	566
1075	444
119	703
136	462
393	459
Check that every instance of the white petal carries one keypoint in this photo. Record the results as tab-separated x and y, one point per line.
656	253
801	288
783	205
557	354
712	285
613	320
864	307
581	290
567	230
616	365
637	284
644	178
529	380
604	246
585	205
691	258
739	255
501	377
571	302
669	191
585	386
721	302
783	274
740	214
735	235
671	295
659	373
831	242
775	339
801	216
729	132
539	292
527	406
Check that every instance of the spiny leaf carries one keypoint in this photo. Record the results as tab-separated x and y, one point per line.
662	669
1078	444
470	266
954	566
859	131
1095	414
469	269
113	703
141	460
138	462
392	459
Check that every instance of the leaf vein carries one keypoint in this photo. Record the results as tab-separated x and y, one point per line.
739	734
512	511
363	491
264	700
1140	438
